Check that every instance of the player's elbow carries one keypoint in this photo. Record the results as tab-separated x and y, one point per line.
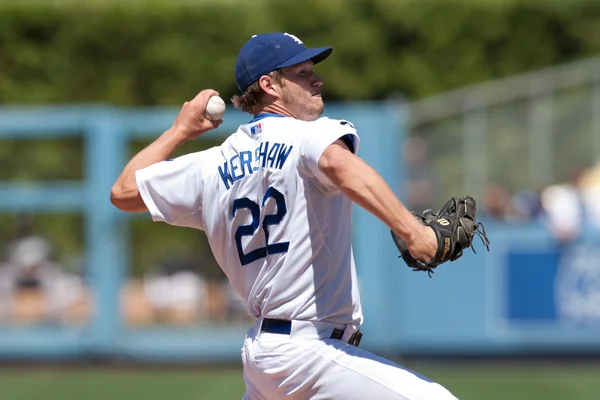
330	166
117	197
126	200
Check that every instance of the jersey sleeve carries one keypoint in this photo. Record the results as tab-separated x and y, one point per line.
325	132
173	190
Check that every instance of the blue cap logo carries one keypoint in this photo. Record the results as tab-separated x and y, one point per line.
271	51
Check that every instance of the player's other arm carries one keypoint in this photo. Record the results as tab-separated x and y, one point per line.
363	185
190	123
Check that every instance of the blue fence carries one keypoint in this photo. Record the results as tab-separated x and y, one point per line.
507	301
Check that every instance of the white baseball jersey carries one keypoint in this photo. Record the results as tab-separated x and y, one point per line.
277	226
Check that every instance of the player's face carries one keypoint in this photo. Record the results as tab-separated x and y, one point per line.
301	91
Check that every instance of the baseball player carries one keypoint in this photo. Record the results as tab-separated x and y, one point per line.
275	200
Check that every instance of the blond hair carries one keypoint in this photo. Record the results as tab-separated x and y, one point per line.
254	96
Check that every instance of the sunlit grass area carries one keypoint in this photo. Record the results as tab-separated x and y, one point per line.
486	381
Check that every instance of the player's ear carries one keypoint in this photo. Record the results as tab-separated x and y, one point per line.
269	85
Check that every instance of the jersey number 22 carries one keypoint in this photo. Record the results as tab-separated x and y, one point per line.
250	229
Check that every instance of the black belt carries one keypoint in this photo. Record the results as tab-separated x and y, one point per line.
284	327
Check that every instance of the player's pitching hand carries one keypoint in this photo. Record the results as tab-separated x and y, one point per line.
192	121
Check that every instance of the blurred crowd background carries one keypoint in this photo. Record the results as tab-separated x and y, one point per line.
500	99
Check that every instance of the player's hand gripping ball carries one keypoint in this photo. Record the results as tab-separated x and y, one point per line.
455	227
215	109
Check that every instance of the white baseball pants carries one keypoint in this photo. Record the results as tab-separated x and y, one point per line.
307	364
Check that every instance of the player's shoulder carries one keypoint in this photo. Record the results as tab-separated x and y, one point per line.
212	154
209	154
200	158
331	123
325	127
319	123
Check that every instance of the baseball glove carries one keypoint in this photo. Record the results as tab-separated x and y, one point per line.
455	227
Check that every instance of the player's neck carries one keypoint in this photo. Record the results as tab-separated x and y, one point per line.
275	109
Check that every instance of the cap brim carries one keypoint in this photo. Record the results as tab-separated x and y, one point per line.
316	55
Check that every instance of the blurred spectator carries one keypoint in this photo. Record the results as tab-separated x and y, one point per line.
35	288
528	204
498	204
175	291
178	291
588	182
564	212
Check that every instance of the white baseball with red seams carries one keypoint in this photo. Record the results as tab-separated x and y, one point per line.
215	109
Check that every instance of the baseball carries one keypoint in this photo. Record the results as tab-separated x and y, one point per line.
215	108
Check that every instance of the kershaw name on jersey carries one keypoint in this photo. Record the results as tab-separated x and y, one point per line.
267	155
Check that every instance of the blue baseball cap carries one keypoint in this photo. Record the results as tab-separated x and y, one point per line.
271	51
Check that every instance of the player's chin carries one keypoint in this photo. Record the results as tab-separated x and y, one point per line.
317	110
317	100
313	108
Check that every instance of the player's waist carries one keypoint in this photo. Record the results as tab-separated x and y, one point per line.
311	330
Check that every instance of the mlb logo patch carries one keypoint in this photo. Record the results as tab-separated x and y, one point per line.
256	129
